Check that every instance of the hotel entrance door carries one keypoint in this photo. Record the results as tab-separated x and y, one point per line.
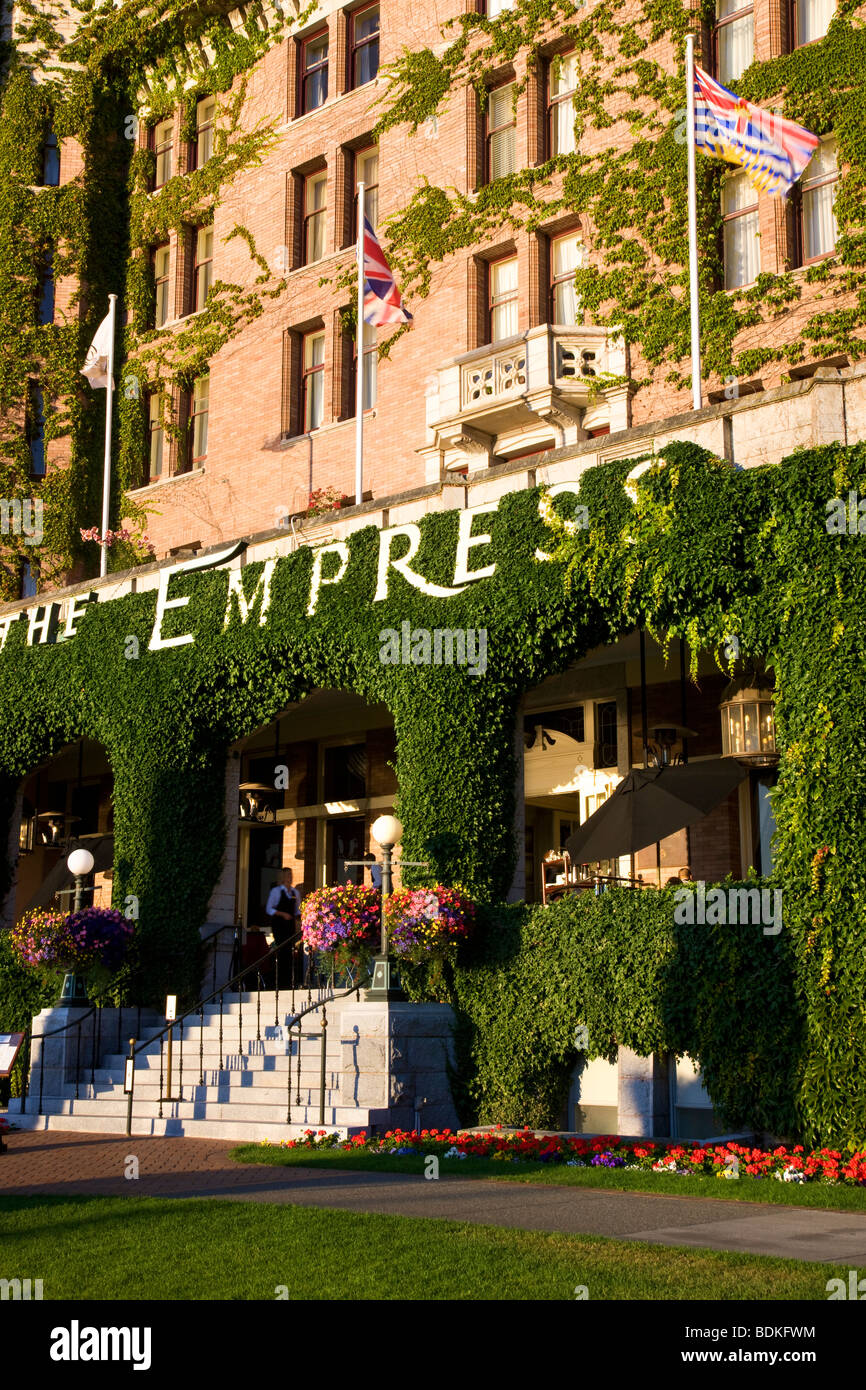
345	841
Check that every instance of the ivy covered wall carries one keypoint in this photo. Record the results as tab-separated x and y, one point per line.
706	552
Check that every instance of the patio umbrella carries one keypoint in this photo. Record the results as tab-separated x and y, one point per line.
652	803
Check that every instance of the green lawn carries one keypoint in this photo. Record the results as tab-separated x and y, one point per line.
144	1247
744	1189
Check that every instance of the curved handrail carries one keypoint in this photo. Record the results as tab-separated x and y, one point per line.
94	1007
136	1047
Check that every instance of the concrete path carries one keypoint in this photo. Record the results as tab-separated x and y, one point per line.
74	1164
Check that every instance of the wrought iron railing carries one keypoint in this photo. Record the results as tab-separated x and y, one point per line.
107	998
166	1035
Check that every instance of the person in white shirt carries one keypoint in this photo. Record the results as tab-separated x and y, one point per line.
283	911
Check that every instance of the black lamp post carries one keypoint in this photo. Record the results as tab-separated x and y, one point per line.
387	831
79	864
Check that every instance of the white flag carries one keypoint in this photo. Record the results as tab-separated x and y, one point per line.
96	362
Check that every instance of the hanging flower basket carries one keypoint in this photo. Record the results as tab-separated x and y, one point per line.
343	921
91	943
425	922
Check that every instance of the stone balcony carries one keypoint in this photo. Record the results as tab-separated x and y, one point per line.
545	388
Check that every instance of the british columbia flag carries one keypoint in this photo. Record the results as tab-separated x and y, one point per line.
773	151
382	302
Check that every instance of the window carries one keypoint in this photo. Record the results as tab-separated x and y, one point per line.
566	256
498	7
50	161
163	134
313	380
503	299
45	304
35	429
205	113
606	734
811	20
741	229
563	84
315	216
501	132
203	265
367	173
155	436
818	230
29	580
364	46
734	37
198	421
160	278
314	72
371	367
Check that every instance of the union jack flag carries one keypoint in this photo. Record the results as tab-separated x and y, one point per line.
773	151
382	302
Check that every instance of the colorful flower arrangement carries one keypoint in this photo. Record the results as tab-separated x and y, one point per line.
826	1166
94	936
421	921
142	547
343	918
325	499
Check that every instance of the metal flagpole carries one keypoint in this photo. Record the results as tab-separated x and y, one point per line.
106	471
359	359
693	225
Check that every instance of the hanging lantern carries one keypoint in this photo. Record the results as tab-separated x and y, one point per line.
748	724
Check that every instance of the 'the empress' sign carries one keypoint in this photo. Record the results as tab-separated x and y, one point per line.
58	620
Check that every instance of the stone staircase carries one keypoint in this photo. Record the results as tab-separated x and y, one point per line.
234	1076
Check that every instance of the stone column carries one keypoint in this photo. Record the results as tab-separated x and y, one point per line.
394	1064
644	1095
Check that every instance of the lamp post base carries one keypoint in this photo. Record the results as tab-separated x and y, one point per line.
385	987
74	991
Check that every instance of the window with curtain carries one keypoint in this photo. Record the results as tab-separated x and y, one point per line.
35	428
162	312
314	72
50	161
29	580
503	299
155	437
566	256
562	85
315	216
817	196
812	20
741	231
203	265
205	114
367	172
162	135
371	367
501	132
364	45
45	305
313	381
734	38
198	420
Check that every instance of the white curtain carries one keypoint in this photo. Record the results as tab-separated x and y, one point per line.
736	47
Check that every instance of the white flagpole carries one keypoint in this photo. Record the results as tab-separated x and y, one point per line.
693	225
106	471
359	357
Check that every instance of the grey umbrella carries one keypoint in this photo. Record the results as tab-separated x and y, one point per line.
652	803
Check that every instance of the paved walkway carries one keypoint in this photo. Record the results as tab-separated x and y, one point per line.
74	1164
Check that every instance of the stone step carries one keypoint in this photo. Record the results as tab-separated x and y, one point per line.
259	1057
250	1068
104	1108
239	1130
229	1088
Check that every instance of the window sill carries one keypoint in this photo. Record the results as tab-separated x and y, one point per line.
371	413
164	482
328	105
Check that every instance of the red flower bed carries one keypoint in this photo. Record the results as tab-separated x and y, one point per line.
729	1160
